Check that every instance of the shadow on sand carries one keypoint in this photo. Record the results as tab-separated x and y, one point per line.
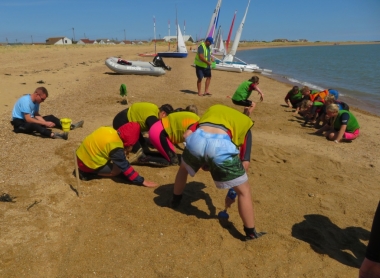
193	193
325	237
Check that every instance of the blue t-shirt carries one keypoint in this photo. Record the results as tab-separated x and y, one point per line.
24	105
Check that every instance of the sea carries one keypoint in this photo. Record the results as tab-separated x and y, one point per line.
353	70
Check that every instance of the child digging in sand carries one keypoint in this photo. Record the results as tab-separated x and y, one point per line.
220	142
244	91
344	125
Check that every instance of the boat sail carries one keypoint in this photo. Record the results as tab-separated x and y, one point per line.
219	48
229	34
181	51
214	20
228	63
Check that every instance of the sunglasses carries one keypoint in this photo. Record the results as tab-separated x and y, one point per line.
42	98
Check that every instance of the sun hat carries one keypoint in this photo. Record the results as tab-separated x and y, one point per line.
129	133
210	39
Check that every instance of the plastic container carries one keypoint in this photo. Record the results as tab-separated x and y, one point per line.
66	124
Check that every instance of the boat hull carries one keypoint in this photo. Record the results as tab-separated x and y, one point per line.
172	54
227	67
137	67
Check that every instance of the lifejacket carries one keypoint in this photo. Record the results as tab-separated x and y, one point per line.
95	149
320	96
176	124
234	121
198	62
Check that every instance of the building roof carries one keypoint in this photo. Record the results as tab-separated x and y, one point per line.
87	41
54	40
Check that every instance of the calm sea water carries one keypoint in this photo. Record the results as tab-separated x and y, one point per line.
353	70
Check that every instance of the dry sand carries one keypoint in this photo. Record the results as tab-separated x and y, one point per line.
315	199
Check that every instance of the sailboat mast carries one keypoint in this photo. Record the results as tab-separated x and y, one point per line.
169	33
176	21
154	31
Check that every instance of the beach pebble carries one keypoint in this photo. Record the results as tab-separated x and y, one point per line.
311	195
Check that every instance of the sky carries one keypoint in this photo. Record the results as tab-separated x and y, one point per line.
29	21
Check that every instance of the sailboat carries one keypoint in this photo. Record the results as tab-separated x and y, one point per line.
229	62
181	51
214	20
219	48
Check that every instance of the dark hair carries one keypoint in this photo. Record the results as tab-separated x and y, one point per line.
43	90
295	89
254	79
167	108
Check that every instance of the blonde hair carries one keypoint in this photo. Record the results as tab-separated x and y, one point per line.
330	98
192	108
333	108
305	104
305	89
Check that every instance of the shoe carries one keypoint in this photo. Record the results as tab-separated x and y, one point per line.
76	125
63	136
86	176
152	160
173	158
251	234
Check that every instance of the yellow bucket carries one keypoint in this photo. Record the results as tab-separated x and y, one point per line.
66	124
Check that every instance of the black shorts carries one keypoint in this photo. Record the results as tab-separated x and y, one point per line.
245	102
202	72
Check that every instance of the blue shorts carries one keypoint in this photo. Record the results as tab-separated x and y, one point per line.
202	72
217	153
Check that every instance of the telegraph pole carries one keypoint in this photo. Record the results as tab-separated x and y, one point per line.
73	35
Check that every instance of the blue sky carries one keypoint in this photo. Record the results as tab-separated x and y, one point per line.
314	20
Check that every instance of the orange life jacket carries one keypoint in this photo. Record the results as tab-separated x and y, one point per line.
320	96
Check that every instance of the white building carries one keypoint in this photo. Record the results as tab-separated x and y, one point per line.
58	41
186	38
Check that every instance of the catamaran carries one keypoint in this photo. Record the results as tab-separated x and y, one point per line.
230	62
218	48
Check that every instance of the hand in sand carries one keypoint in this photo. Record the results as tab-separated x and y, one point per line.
150	184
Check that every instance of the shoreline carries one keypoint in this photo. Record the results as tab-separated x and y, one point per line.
6	103
313	197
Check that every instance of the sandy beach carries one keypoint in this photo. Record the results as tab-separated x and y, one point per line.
314	198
